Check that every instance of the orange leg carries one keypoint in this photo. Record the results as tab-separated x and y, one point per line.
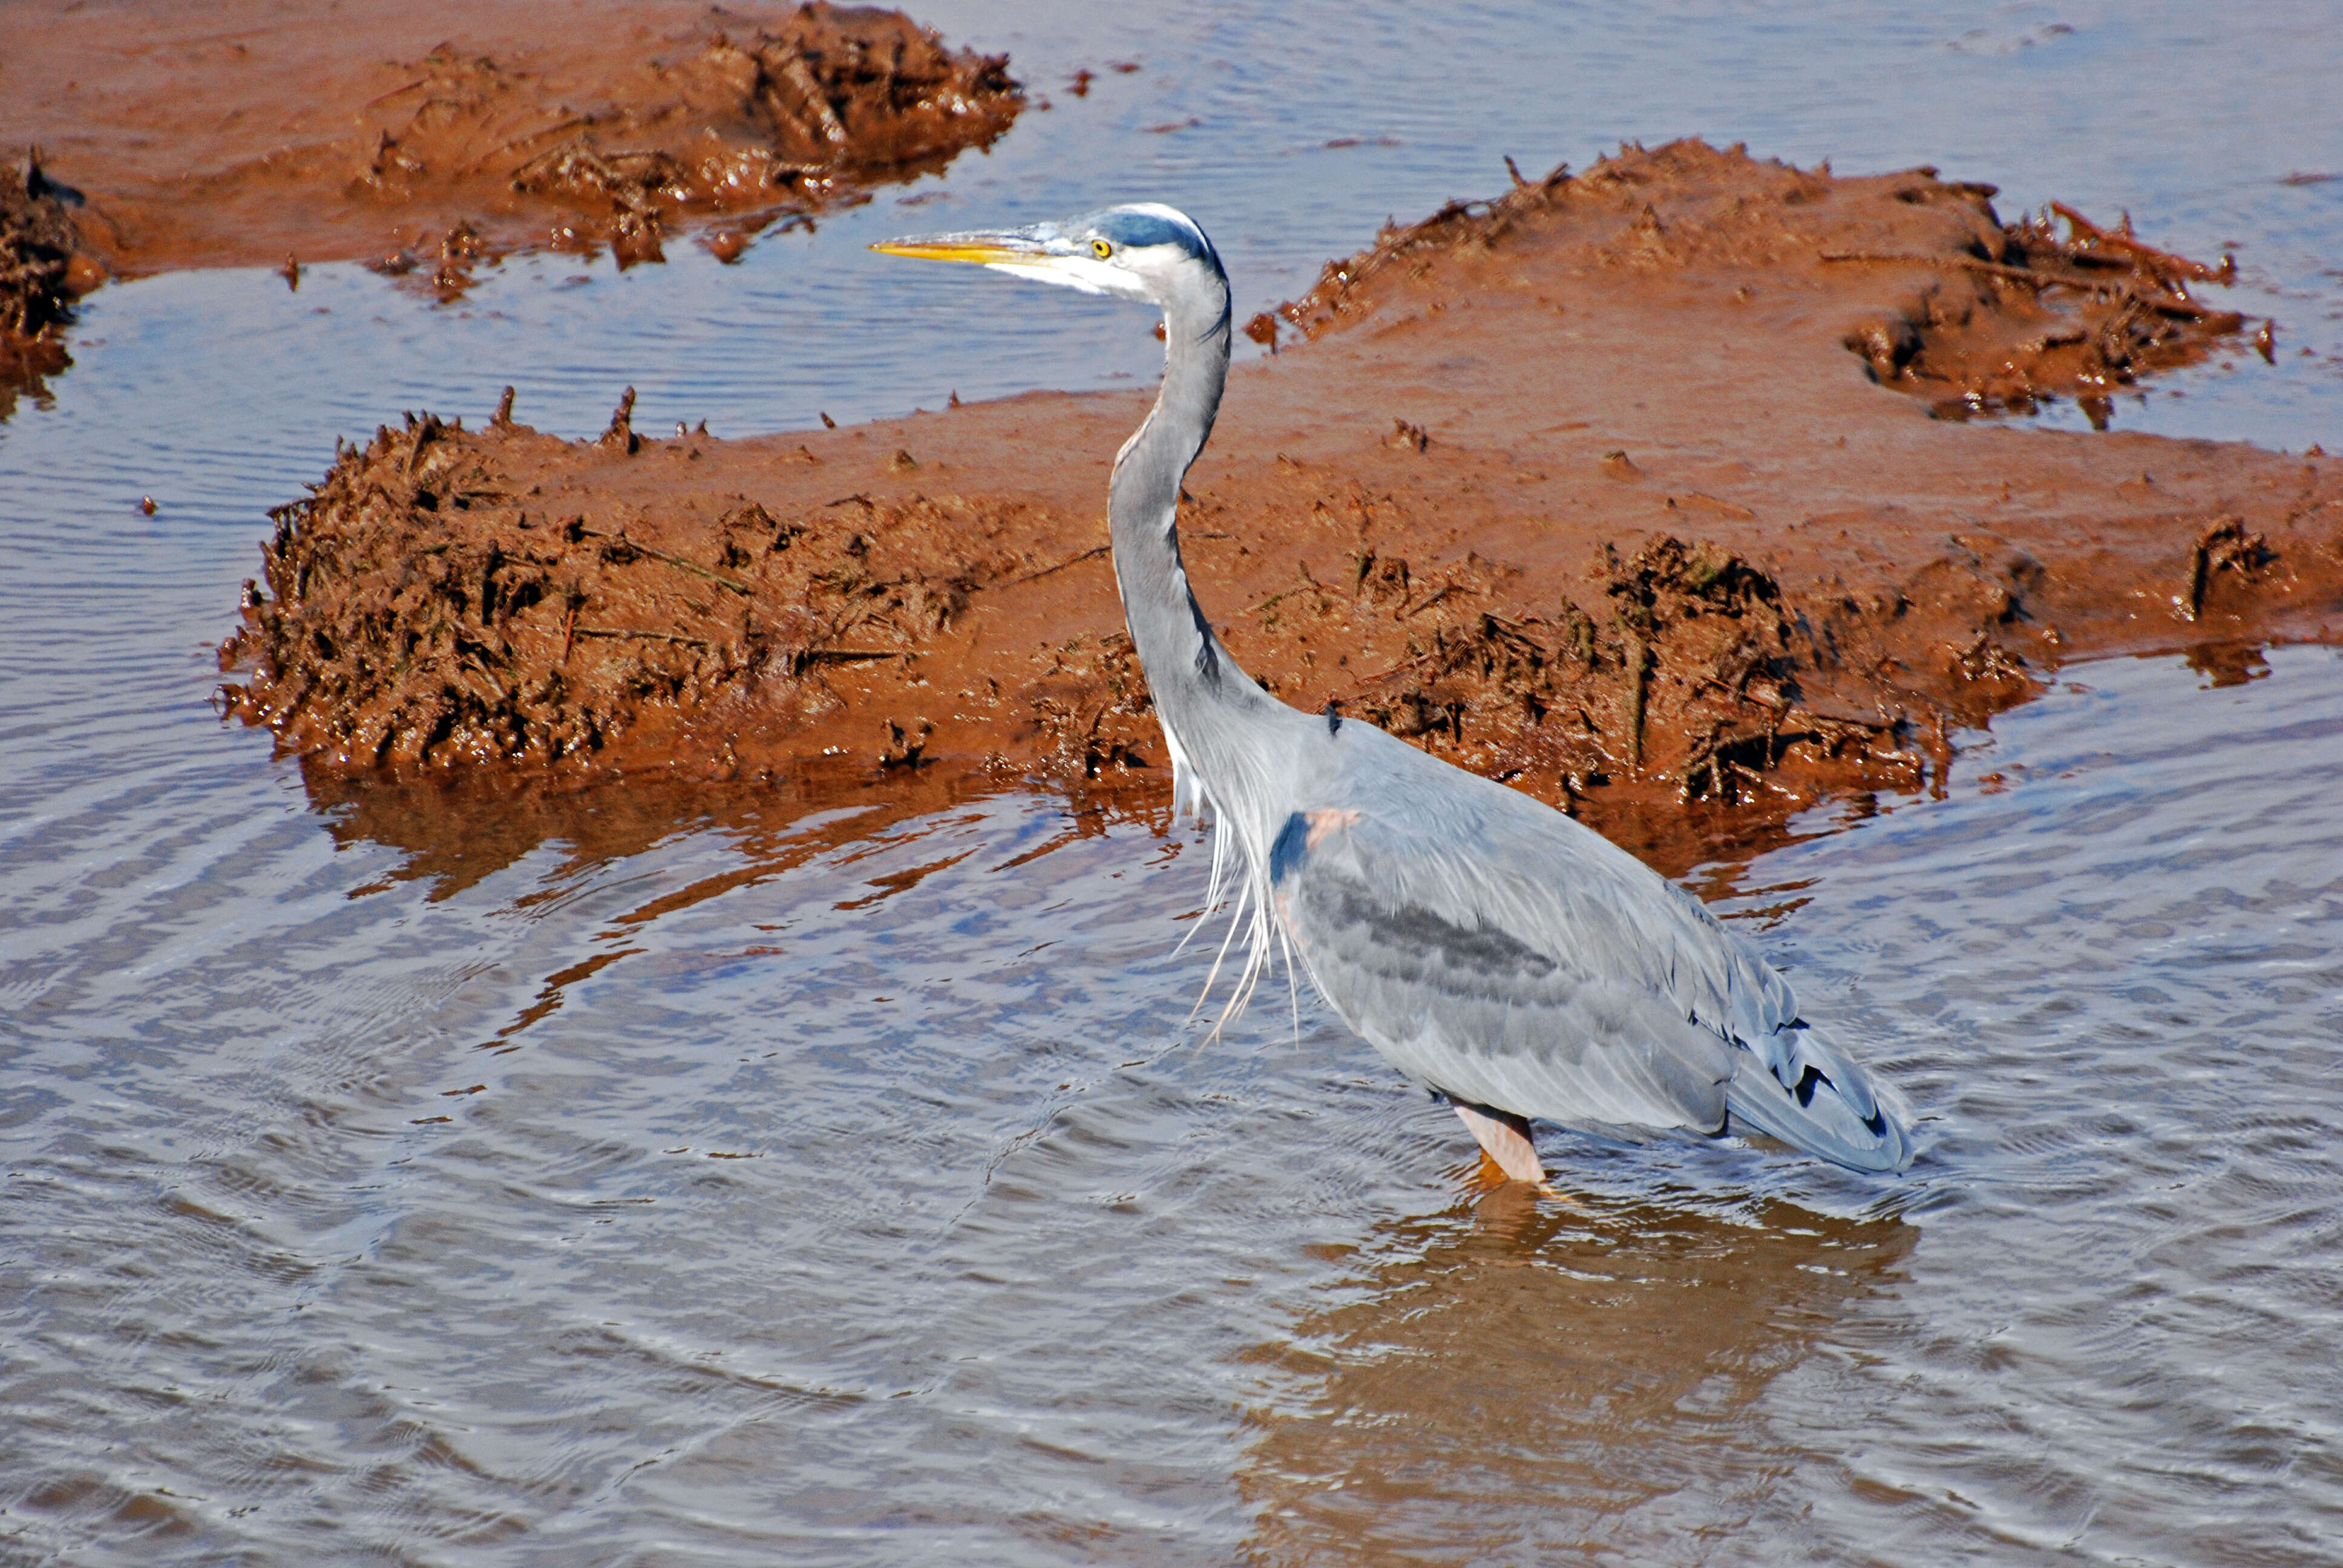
1505	1139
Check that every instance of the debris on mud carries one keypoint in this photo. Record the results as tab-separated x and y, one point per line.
420	608
776	119
2020	314
511	136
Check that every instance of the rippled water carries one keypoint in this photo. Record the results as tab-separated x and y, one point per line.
830	1180
826	1175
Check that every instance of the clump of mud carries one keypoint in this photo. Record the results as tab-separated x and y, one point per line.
781	119
777	121
36	277
2021	313
1993	317
420	608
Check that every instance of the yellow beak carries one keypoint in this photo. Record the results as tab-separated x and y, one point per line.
984	249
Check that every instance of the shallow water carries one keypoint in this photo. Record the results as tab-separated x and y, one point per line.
826	1175
833	1180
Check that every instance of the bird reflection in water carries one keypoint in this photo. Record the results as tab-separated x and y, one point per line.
1514	1380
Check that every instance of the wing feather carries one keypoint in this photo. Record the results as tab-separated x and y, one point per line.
1502	983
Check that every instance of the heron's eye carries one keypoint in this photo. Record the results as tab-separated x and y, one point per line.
1101	249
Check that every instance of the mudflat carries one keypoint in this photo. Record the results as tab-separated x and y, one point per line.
426	134
1655	481
1684	477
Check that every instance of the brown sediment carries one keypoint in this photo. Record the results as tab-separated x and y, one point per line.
1579	489
419	134
1981	316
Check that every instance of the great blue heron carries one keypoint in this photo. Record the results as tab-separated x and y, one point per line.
1504	956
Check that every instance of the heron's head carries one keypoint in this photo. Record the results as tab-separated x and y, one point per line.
1143	251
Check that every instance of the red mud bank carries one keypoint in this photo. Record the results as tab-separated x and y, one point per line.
1595	489
426	132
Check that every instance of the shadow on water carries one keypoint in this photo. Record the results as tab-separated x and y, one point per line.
1516	1377
2226	664
452	831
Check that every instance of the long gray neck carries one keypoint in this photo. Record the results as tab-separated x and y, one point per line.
1207	705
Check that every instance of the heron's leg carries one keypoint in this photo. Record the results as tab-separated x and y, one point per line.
1505	1139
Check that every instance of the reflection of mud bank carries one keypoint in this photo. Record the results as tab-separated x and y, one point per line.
38	280
1583	490
246	136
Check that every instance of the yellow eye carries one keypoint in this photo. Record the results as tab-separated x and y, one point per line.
1101	249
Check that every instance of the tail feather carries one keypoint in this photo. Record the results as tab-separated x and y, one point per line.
1814	1096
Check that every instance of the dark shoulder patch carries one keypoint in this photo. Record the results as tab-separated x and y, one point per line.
1293	843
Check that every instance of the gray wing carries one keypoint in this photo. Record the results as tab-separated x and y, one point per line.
1493	949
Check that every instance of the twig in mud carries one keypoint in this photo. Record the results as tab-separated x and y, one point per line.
386	97
1062	566
529	139
1703	759
676	561
2164	262
644	636
1433	598
806	658
1404	665
2034	277
1639	671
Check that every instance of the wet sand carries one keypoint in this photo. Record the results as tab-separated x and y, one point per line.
1624	488
421	135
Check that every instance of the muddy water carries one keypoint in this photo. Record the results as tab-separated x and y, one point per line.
824	1176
